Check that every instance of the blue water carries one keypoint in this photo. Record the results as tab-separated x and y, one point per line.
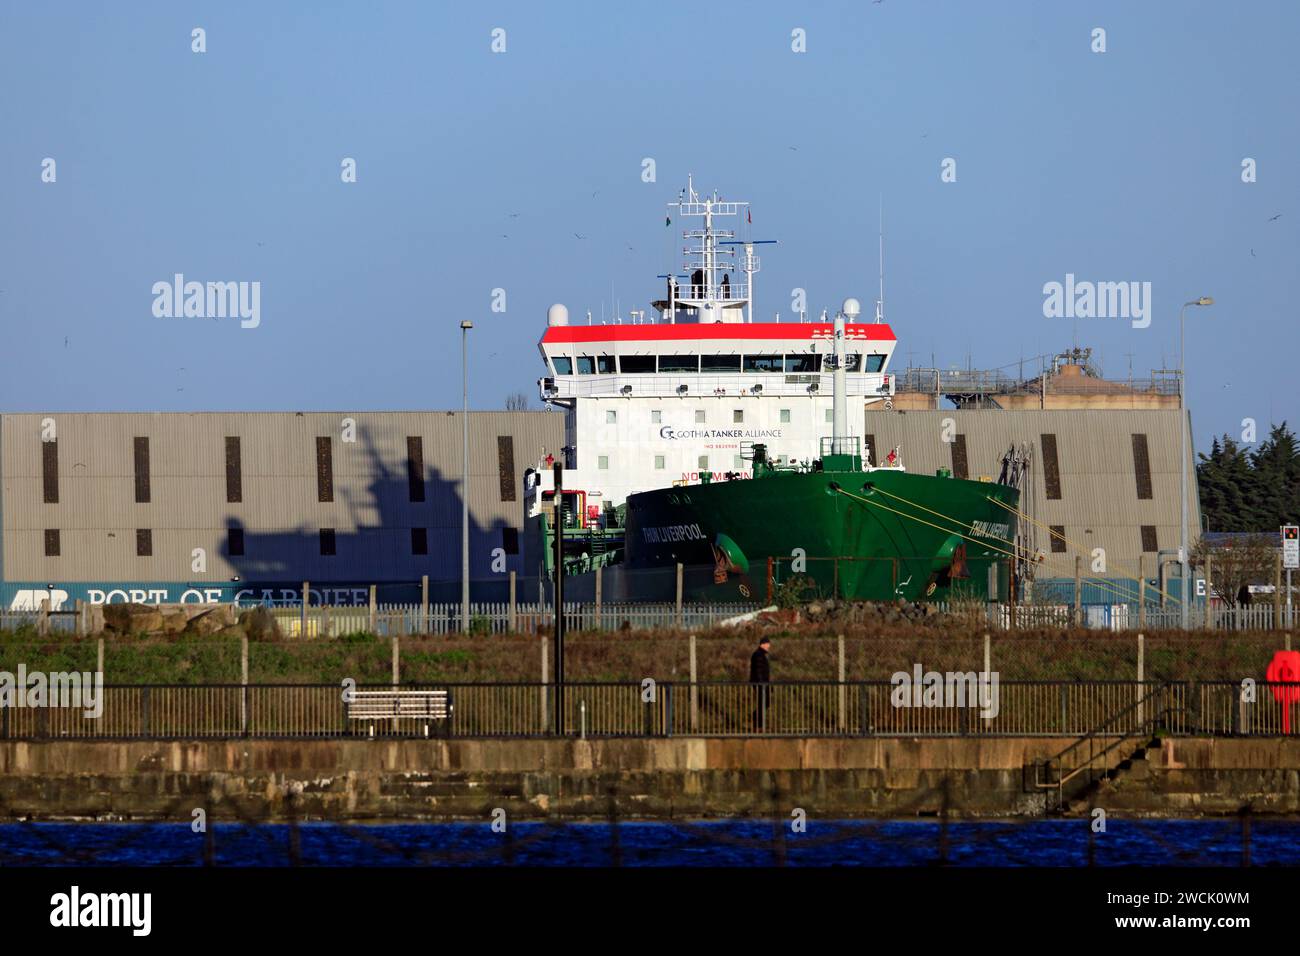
728	844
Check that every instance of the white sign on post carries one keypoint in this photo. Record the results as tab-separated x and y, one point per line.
1290	546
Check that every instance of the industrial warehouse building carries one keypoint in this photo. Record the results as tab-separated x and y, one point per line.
1094	478
172	506
210	506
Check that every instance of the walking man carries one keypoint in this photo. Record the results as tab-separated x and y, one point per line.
760	675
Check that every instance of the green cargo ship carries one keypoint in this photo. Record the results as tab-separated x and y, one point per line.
652	408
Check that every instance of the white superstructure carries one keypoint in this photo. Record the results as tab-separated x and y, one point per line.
661	401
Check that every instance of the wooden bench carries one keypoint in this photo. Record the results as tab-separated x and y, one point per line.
426	705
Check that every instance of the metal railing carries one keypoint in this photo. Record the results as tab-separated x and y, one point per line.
1099	709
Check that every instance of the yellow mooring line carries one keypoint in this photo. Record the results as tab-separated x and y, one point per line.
1103	584
1080	548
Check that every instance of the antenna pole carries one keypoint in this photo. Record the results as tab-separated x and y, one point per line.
880	306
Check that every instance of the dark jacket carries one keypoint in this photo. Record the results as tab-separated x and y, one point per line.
759	670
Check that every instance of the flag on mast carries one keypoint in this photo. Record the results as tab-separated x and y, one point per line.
668	220
749	218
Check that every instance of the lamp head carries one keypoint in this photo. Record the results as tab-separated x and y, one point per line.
467	324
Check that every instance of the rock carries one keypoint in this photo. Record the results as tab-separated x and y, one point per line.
174	620
132	618
260	624
205	624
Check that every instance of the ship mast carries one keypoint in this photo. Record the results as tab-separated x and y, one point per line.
840	409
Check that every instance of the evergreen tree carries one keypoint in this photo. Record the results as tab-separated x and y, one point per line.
1255	492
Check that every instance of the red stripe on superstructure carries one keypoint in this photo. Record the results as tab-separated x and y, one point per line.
718	331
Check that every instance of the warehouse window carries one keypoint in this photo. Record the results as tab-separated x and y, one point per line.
830	414
51	542
1142	466
659	461
506	466
414	468
738	416
1058	539
959	468
700	417
785	416
510	540
235	542
1149	542
656	417
50	470
419	541
143	543
602	462
1051	468
234	470
870	449
327	540
324	470
611	417
141	447
703	463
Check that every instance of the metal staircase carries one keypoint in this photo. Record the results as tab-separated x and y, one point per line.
1102	752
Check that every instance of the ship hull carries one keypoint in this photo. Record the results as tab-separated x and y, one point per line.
880	535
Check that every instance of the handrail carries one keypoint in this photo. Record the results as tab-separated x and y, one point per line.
1145	725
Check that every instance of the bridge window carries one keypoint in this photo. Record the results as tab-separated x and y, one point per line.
679	363
875	363
605	364
636	364
563	365
586	365
764	363
852	361
720	363
803	363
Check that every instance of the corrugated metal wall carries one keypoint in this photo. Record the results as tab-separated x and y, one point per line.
1099	504
97	513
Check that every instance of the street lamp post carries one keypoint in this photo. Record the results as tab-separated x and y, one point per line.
465	326
1183	426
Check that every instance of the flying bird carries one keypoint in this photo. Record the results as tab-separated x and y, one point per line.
795	148
1275	218
1252	252
576	236
514	215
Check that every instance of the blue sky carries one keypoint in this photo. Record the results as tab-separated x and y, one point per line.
475	169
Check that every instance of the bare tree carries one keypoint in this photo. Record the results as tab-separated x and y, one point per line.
516	402
1245	561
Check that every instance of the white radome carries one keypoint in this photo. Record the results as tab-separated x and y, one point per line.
852	308
557	315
